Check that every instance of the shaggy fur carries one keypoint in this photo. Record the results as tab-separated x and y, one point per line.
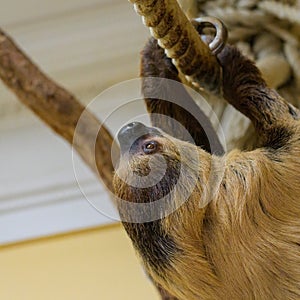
245	243
155	64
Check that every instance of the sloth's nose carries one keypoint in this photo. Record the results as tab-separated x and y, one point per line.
131	129
131	132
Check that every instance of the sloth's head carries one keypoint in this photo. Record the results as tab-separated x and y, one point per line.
156	167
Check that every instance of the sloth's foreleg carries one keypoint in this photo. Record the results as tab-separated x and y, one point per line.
170	98
245	89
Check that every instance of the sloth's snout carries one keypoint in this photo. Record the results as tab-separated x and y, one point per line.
130	135
130	132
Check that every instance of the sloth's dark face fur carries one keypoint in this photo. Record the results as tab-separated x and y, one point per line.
243	240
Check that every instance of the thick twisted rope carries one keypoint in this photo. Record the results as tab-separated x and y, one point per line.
182	43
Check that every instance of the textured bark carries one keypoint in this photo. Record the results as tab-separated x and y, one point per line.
58	108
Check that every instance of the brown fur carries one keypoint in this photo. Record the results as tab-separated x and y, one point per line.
245	243
156	64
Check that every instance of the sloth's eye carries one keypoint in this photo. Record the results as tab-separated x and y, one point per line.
150	147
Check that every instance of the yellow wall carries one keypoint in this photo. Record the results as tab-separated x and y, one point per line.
95	264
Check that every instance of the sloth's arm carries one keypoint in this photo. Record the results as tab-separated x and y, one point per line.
183	109
245	89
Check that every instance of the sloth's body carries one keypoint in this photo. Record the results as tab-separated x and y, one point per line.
245	243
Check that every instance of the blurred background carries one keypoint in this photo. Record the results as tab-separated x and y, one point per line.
53	243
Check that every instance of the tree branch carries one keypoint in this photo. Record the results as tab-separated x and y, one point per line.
58	108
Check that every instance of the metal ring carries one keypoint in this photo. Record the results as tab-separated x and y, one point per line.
220	39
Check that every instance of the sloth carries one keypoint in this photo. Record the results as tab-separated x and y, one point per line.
229	226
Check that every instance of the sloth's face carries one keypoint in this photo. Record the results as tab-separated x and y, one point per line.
152	163
138	141
148	159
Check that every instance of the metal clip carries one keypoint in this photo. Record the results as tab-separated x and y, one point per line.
217	44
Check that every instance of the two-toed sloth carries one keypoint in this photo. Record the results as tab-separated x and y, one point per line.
245	242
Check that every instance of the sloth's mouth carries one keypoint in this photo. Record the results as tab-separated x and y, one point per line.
136	136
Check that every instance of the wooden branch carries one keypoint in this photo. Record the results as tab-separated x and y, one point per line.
58	108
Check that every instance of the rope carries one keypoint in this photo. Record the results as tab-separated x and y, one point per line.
181	42
267	32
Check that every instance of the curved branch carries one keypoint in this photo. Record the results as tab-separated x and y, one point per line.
59	109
